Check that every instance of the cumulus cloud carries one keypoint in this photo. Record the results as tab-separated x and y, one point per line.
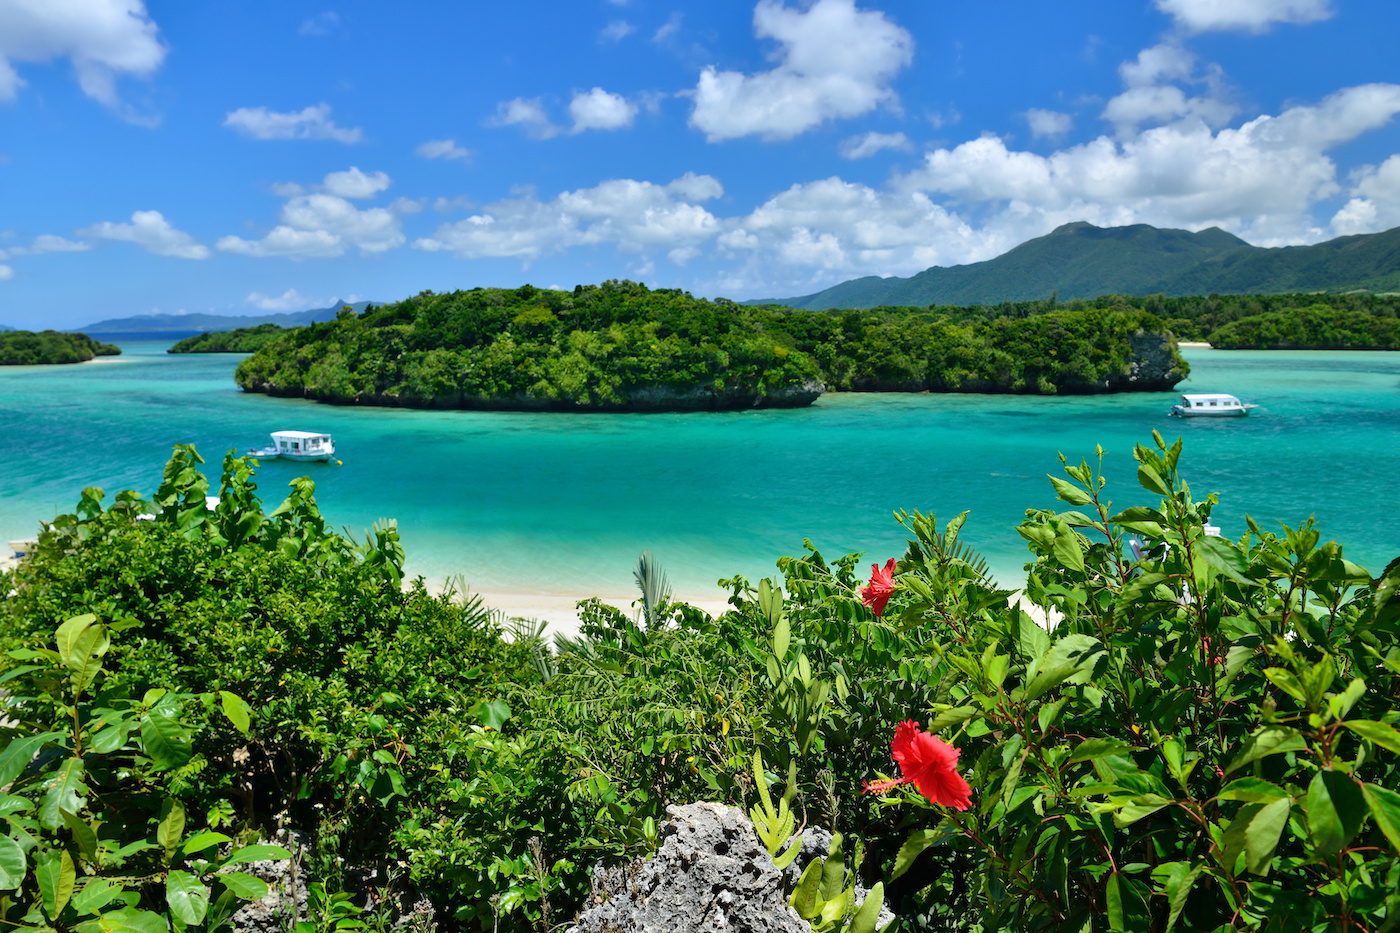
867	144
153	233
1245	15
310	123
323	224
834	61
290	300
47	243
616	31
635	216
354	183
599	110
443	149
526	113
103	39
1151	94
1048	124
1375	200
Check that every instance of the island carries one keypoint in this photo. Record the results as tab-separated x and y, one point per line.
30	348
238	340
621	346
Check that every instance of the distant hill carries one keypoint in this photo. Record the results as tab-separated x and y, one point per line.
161	326
1080	260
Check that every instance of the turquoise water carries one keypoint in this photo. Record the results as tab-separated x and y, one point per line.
561	503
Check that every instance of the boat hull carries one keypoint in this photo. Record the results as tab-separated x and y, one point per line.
315	457
1182	412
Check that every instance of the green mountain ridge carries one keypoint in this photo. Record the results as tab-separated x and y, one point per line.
1080	260
164	324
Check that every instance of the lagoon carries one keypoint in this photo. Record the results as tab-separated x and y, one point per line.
561	504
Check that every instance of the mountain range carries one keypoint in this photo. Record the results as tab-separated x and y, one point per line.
161	326
1080	260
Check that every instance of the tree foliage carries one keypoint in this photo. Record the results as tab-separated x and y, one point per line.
28	348
238	340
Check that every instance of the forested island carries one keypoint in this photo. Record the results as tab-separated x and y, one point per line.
620	346
239	340
30	348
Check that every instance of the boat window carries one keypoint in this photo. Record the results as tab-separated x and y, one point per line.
1200	404
284	445
1212	403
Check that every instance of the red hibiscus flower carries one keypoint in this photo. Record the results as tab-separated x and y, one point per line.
930	764
877	592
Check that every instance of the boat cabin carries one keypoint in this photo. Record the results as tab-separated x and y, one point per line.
1210	405
300	442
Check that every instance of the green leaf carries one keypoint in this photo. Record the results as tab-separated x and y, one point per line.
13	803
246	886
1251	790
83	834
1268	740
256	854
17	755
493	715
1385	810
805	899
914	846
62	791
1287	682
869	911
236	710
1152	481
1378	732
165	741
1261	835
951	717
82	641
203	840
1141	806
1090	749
131	920
95	894
171	826
1067	551
1222	554
1335	808
12	864
1066	657
187	898
53	869
1030	637
1177	878
1069	492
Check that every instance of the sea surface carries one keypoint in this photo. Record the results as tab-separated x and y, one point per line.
563	504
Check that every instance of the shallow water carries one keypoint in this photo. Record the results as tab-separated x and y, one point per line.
563	503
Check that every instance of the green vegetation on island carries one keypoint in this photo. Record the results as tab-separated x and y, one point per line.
31	348
1202	735
622	346
239	340
1316	327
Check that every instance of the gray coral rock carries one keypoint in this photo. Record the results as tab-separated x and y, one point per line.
709	875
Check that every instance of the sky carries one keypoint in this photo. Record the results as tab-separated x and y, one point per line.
250	157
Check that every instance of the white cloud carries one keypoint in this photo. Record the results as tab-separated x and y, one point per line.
290	300
47	243
636	216
310	123
103	39
1246	15
616	31
527	113
1150	97
866	145
354	183
153	233
443	149
6	273
667	29
599	110
324	224
1375	201
1259	180
835	61
322	24
1048	124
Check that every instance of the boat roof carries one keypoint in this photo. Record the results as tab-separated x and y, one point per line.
1203	398
298	435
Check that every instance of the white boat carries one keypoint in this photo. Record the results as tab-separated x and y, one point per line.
297	445
1211	406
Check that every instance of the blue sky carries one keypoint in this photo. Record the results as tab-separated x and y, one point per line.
242	157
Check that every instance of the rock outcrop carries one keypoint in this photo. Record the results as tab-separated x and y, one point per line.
709	875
